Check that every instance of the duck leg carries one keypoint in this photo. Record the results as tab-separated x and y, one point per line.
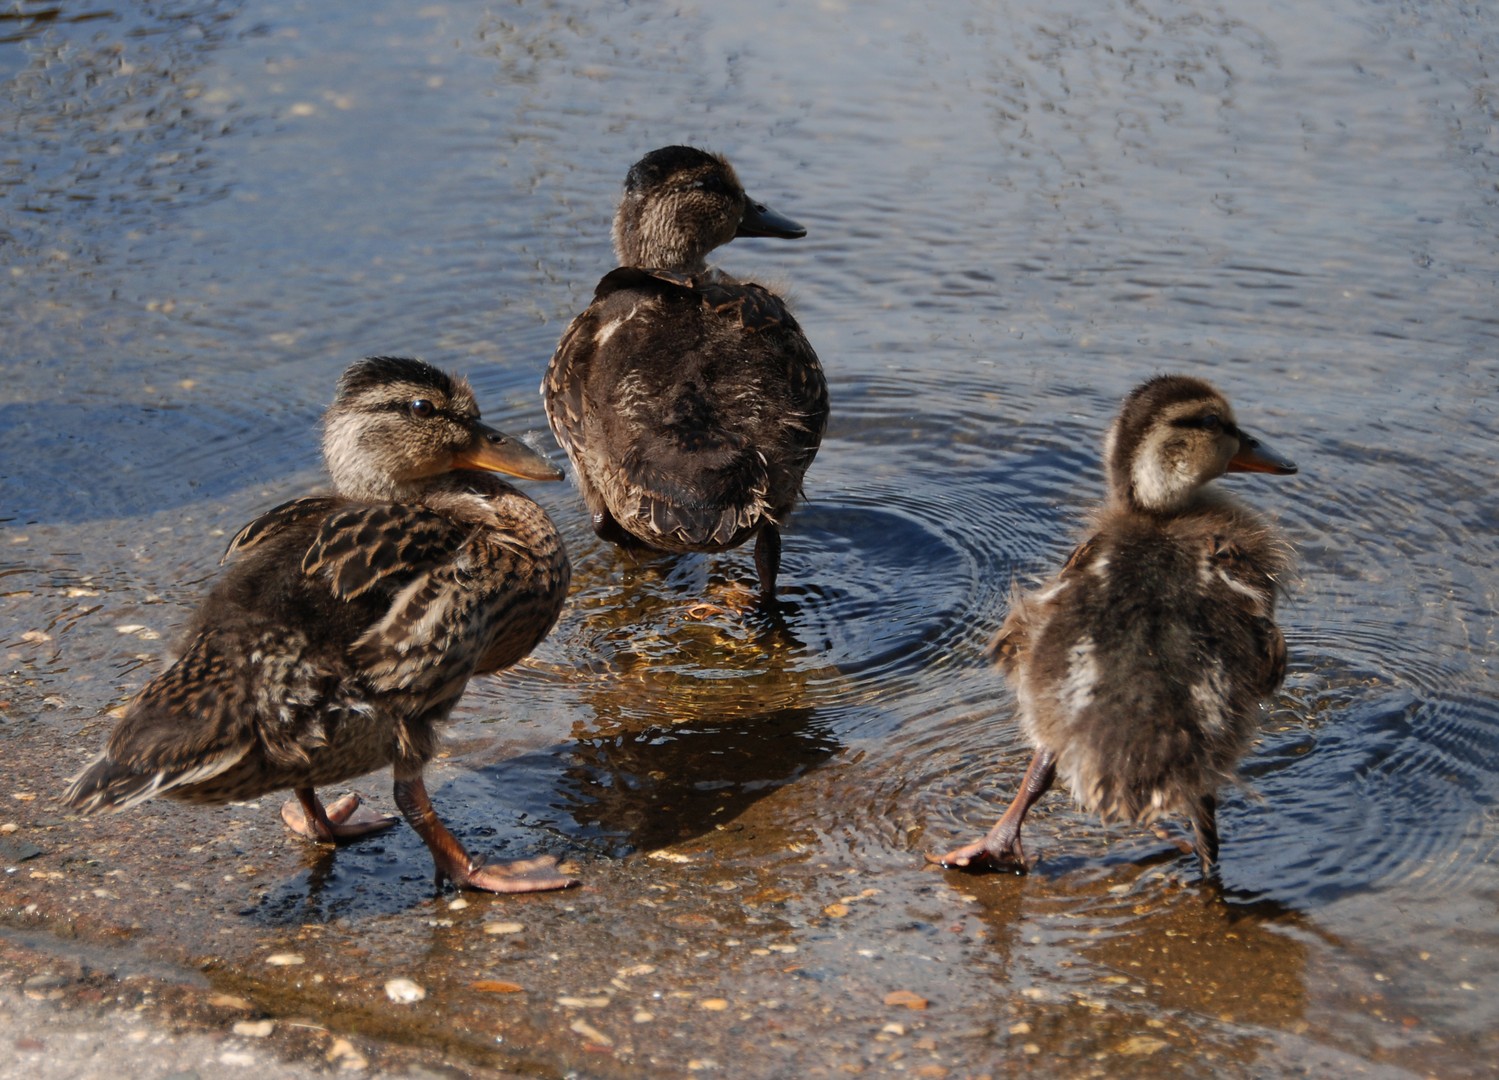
1001	848
344	820
768	561
454	864
1205	829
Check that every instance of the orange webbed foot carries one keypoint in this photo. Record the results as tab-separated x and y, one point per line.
345	819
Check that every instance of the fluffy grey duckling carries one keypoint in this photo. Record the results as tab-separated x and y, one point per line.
690	403
348	625
1139	669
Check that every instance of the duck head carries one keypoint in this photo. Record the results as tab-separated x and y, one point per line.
395	423
1173	434
680	203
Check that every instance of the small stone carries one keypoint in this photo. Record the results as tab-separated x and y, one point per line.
254	1029
906	998
404	991
714	1004
47	980
229	1001
835	911
635	970
285	959
236	1057
894	1029
145	633
503	927
9	827
1142	1044
591	1033
496	986
584	1002
643	1017
14	850
457	904
670	856
340	1047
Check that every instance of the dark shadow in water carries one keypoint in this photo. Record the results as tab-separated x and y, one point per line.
643	790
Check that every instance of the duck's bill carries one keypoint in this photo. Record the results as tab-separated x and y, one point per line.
1255	456
495	451
761	220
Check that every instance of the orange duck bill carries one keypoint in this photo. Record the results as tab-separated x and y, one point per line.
1255	456
495	451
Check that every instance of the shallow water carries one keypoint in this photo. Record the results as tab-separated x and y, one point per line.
1015	212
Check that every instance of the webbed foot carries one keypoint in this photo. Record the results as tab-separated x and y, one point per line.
539	874
345	819
985	855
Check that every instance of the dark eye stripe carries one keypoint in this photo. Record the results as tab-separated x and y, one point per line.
1210	422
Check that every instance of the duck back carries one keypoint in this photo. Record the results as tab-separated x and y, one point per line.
692	409
1143	664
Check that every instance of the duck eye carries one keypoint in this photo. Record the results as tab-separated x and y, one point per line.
1213	422
421	408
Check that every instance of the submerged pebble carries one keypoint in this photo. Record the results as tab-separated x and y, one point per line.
591	1033
906	998
403	991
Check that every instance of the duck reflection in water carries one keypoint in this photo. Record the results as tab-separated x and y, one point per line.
1139	669
690	403
643	789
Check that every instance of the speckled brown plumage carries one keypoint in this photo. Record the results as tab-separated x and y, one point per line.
348	625
690	403
1139	669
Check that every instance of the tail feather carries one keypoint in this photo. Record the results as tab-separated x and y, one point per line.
108	785
701	491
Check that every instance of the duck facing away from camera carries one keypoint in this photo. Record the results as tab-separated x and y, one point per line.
348	625
690	403
1139	669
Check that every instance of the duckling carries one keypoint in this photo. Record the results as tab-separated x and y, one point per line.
1138	670
348	625
690	403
